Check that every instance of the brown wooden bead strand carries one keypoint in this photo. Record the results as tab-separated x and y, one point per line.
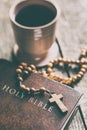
25	69
72	79
82	63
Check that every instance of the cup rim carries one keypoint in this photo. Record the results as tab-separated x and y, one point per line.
11	15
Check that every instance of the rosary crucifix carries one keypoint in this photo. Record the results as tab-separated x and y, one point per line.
57	100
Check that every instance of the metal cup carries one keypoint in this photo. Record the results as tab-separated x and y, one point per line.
34	41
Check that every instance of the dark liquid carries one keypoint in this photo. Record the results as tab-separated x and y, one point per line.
35	15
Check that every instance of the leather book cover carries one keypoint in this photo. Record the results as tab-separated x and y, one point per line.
21	111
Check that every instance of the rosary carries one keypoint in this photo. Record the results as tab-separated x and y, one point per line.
24	70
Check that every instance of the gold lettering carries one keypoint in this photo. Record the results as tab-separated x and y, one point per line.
22	95
31	100
6	88
44	107
50	109
35	102
40	104
12	91
17	94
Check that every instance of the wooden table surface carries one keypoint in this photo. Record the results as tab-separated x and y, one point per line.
72	36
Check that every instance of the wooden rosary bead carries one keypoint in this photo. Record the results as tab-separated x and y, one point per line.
50	65
68	81
79	76
42	90
84	66
49	70
74	78
29	69
59	79
81	73
33	66
83	70
20	67
43	72
81	62
77	61
55	60
22	86
51	76
45	75
34	71
60	59
20	79
27	89
33	89
18	70
52	61
68	61
24	64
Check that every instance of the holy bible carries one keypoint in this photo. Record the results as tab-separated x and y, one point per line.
21	111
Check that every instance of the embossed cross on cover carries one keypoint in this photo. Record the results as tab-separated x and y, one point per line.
21	111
